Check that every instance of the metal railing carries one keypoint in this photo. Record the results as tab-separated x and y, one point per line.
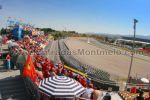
0	95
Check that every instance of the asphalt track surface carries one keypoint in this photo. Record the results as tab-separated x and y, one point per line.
53	52
115	63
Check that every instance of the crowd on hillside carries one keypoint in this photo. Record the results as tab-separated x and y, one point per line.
45	68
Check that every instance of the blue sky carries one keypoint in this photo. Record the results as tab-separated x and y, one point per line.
105	16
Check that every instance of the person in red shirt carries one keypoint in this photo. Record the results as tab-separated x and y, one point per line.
83	81
46	74
63	70
44	67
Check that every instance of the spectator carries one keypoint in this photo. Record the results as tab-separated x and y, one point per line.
88	81
139	90
133	90
63	70
76	78
97	94
83	81
148	97
8	61
52	72
88	92
59	72
66	73
46	74
140	97
44	67
107	96
70	73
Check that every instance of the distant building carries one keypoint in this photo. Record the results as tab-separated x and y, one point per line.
140	44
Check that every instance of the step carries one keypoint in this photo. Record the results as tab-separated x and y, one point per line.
10	91
14	86
16	96
18	77
11	82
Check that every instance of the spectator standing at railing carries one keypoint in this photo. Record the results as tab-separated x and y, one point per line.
8	61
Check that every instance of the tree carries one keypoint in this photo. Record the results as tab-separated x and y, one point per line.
3	31
47	30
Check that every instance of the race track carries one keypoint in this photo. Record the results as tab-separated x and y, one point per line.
115	64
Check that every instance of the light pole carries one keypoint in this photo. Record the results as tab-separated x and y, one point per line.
0	7
132	53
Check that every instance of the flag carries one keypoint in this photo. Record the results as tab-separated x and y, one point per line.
29	69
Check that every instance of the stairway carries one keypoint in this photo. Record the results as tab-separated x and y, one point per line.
13	88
